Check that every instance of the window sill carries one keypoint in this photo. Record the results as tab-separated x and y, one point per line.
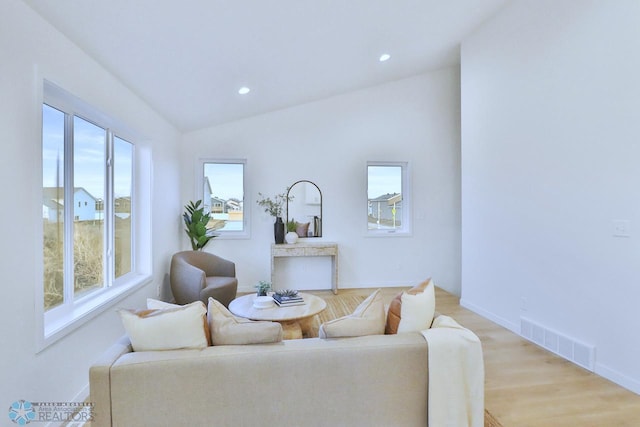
86	310
388	233
232	235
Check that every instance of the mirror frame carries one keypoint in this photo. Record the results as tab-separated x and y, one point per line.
319	192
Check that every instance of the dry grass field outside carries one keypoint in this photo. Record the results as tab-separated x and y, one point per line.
88	254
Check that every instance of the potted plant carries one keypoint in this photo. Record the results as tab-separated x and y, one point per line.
273	206
197	228
292	235
263	287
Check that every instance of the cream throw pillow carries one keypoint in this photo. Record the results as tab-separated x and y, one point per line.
395	312
156	304
367	319
168	329
227	329
417	310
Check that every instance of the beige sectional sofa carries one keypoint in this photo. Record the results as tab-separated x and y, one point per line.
377	380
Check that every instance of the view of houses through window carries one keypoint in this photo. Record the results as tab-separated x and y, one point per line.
89	148
223	194
88	242
385	196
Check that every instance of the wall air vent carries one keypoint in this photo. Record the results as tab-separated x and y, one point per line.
567	347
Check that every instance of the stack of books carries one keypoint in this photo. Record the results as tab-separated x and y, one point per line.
287	301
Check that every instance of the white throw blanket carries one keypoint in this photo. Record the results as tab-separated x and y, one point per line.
456	375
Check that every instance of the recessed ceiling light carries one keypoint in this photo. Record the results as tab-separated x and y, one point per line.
384	57
244	90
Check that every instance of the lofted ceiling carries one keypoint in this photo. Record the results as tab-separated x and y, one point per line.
188	58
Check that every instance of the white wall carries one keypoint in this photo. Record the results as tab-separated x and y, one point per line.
31	50
329	142
550	150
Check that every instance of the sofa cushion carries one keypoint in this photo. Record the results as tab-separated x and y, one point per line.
412	310
166	329
155	304
367	319
228	329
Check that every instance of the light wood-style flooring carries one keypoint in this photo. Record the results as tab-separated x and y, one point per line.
527	386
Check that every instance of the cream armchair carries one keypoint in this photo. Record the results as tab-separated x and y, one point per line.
196	276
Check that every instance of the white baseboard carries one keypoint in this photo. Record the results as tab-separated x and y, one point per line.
81	396
513	327
618	378
601	370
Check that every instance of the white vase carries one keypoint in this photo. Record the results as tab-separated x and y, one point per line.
291	237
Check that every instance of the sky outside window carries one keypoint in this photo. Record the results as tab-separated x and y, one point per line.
226	180
384	180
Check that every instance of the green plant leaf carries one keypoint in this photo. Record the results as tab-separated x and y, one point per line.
196	222
199	229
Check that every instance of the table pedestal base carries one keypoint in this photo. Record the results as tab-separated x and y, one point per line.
297	329
291	330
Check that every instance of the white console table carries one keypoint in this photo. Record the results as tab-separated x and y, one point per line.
307	249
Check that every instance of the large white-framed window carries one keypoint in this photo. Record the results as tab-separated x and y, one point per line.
388	198
222	187
93	183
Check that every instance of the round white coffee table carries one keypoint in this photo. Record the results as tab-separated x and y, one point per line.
295	320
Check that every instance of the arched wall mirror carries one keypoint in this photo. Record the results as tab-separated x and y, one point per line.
305	208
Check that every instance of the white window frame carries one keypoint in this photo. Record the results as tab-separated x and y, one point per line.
59	321
245	233
406	225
